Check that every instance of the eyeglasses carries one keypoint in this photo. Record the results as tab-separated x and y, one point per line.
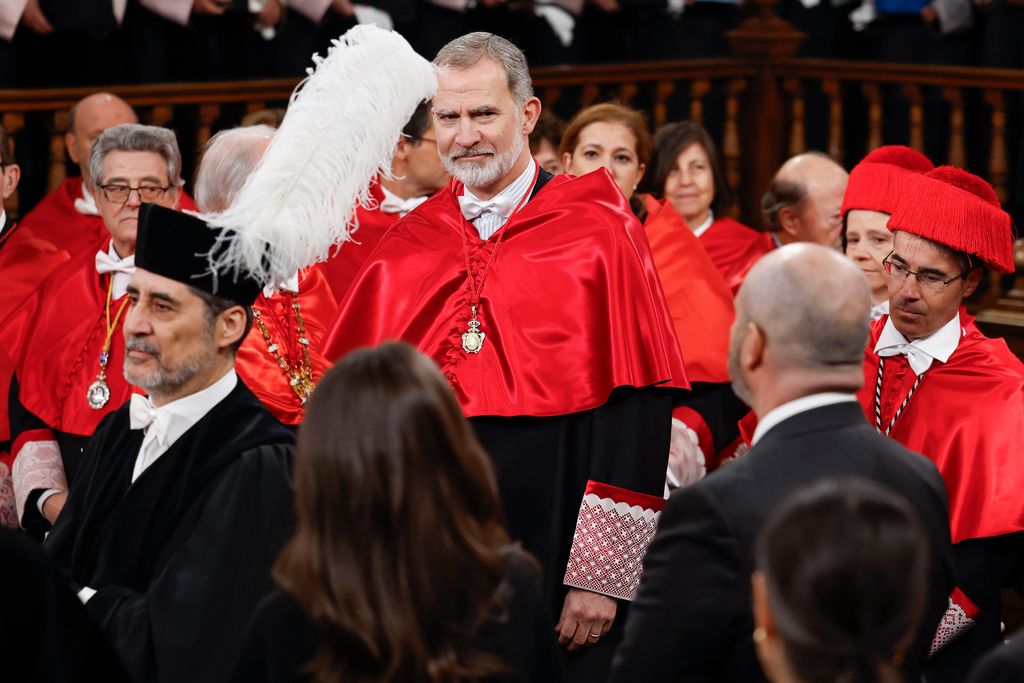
119	194
929	281
416	137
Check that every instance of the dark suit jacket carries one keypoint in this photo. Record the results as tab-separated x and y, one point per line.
692	618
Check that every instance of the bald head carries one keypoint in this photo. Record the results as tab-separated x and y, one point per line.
812	305
90	117
229	159
804	200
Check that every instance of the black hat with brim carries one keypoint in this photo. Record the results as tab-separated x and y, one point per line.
178	246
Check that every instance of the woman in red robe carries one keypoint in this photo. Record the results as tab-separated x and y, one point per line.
686	170
699	299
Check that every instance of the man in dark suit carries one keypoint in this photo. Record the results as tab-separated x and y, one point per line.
795	356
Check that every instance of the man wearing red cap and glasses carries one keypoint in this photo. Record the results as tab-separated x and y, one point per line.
941	388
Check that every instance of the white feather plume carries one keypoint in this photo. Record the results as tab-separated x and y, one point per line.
341	128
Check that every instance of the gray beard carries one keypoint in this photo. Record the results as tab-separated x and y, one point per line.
166	380
486	172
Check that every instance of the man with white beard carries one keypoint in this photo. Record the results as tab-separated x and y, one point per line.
537	297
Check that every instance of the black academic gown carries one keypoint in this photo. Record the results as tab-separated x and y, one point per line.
180	557
543	464
45	633
692	619
281	637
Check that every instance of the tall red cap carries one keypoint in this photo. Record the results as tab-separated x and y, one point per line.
959	210
877	181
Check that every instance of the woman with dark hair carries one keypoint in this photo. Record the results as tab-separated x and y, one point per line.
687	171
400	569
840	585
616	138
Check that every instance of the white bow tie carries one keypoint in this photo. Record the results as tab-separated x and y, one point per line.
142	414
919	360
473	208
105	263
393	204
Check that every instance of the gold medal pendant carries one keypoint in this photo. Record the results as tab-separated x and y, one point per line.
473	339
98	394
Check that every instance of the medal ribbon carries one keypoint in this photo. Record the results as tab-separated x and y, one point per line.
878	400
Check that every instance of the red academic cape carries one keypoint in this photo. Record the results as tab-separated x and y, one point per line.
53	341
341	268
734	249
967	416
572	307
698	297
257	367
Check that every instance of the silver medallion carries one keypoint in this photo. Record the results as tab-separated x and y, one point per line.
98	394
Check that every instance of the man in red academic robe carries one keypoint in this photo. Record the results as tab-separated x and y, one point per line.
65	342
68	219
941	388
538	299
416	173
281	358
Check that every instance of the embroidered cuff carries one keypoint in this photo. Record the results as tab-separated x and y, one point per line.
613	530
37	465
958	618
8	509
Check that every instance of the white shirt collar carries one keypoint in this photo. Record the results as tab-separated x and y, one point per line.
801	405
939	345
703	227
3	219
177	417
291	285
120	269
487	224
392	203
86	204
880	309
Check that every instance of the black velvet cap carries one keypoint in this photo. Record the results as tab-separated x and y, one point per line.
177	246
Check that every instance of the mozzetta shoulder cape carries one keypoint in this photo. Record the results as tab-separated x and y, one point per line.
572	306
967	416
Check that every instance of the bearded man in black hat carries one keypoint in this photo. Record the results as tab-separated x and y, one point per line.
184	497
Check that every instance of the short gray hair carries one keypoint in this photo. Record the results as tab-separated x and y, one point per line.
228	160
134	137
468	50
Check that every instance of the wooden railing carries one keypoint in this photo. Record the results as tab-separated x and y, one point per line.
755	103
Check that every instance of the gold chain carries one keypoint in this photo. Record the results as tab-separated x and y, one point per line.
300	377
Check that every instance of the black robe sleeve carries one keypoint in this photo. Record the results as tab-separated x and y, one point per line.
693	567
207	591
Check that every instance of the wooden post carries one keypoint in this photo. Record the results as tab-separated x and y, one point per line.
764	39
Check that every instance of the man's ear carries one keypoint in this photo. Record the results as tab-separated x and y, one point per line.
9	180
971	281
531	112
789	220
231	326
402	148
71	144
752	349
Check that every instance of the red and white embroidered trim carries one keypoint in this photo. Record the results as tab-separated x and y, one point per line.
37	465
8	509
958	618
613	530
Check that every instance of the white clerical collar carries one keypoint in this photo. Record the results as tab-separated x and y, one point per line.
392	203
801	405
291	285
511	196
86	204
3	220
703	227
939	345
880	309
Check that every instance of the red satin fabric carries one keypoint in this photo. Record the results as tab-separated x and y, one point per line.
54	341
698	298
341	268
967	416
734	249
572	306
257	367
